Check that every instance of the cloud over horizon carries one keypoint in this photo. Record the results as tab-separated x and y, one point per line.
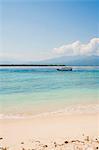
74	49
78	48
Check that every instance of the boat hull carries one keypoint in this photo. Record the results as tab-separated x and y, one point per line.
65	69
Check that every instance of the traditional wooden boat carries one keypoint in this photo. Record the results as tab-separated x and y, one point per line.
65	69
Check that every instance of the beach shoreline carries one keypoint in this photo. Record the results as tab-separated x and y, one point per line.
43	109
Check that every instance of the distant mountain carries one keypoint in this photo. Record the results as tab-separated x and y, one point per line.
64	60
71	60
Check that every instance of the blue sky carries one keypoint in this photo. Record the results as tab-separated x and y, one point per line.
31	29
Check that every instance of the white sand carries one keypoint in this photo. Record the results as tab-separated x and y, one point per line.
47	129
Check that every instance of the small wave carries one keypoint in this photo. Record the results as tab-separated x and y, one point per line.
74	109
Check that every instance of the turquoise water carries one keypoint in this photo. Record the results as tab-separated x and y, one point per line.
35	90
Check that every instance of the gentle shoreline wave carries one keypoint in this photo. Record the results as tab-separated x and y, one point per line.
69	110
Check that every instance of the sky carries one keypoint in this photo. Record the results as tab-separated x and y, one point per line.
42	29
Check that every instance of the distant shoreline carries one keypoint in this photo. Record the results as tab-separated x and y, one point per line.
39	65
21	65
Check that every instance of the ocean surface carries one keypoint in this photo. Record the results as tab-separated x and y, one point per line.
30	91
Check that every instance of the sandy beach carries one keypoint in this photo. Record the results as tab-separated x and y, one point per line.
51	132
49	74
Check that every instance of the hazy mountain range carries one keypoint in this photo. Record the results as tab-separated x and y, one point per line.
66	60
71	60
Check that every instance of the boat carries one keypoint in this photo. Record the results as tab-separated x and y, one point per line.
65	69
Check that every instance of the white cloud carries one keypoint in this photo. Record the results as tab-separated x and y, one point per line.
78	48
73	49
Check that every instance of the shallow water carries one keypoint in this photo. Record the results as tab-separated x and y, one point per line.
35	90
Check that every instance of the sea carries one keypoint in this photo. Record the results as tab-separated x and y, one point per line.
31	91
